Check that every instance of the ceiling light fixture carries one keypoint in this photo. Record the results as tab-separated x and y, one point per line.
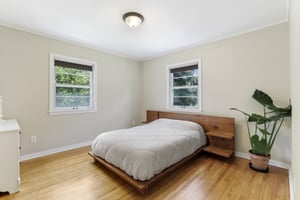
133	19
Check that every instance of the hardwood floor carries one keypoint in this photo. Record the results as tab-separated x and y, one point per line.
73	175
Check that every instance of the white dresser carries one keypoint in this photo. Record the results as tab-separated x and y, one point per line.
9	156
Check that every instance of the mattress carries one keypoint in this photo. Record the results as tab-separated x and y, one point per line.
146	150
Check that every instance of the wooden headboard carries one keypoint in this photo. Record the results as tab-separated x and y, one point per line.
209	123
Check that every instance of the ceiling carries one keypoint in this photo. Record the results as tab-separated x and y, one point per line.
169	26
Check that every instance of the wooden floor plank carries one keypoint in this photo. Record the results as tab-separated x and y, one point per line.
74	175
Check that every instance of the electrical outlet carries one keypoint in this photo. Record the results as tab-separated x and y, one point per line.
33	140
133	122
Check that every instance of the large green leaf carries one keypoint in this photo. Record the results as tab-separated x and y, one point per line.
267	101
260	146
277	117
262	98
259	119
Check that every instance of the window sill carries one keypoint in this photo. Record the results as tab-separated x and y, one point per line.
71	112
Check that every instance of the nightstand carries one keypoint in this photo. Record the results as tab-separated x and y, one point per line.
220	143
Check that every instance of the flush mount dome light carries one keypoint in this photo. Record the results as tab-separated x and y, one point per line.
133	19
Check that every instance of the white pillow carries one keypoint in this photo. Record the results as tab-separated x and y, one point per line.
174	123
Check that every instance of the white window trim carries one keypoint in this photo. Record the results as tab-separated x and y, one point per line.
52	109
177	65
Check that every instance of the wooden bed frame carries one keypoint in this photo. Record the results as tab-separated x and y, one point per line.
209	123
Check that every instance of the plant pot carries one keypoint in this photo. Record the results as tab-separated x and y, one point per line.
258	162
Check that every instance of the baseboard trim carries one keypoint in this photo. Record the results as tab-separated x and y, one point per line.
53	151
271	162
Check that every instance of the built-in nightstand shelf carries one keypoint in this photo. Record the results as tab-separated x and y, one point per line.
221	134
220	143
219	151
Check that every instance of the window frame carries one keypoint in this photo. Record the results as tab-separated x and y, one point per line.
53	110
170	88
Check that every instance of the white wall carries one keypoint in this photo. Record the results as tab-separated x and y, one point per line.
24	85
295	88
231	70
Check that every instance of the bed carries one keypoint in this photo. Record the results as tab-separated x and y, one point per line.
144	154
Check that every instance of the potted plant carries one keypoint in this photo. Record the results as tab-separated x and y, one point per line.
266	128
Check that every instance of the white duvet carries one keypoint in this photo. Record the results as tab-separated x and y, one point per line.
146	150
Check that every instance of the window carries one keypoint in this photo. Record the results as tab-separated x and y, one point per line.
72	85
184	88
